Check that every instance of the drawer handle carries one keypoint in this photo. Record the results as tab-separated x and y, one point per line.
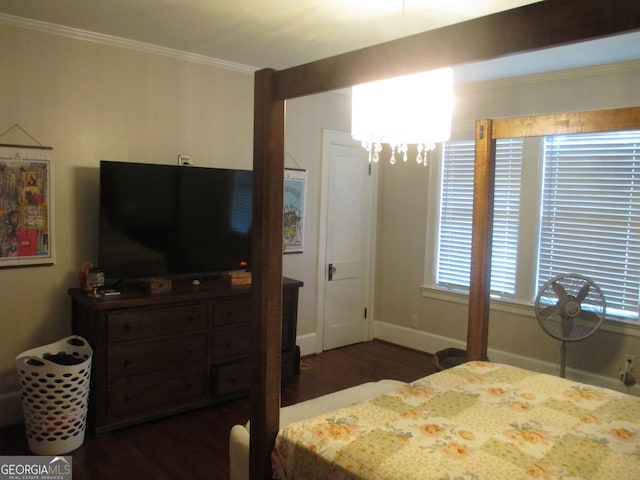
127	399
190	319
127	327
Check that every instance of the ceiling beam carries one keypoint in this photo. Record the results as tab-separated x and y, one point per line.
537	26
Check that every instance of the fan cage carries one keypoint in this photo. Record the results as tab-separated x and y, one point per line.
580	327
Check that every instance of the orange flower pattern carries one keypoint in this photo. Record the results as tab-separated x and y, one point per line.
624	434
334	431
525	436
431	429
456	450
479	420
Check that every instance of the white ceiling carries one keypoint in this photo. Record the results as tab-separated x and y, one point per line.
285	33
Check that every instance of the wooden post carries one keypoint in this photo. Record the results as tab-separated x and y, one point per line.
268	185
482	234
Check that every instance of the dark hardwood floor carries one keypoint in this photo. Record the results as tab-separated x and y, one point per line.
194	445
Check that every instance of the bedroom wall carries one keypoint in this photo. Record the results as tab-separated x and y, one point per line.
92	101
514	335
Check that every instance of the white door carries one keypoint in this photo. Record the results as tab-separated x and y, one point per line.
348	202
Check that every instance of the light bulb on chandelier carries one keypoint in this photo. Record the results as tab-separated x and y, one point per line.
402	111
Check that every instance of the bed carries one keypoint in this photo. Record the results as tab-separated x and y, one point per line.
474	421
532	27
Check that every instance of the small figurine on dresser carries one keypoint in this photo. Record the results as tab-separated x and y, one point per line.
84	276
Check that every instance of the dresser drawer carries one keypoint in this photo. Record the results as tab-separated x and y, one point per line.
133	359
227	342
155	322
230	379
231	311
153	392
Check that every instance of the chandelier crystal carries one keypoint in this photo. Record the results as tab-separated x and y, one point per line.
414	109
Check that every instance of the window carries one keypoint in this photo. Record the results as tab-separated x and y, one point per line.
454	258
590	220
584	211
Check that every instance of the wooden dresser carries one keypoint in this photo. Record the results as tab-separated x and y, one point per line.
156	355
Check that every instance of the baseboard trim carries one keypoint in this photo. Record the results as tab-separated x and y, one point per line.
10	409
430	343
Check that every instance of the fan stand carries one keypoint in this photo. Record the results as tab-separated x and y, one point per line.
563	359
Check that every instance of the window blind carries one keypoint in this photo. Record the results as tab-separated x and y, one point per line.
590	220
456	212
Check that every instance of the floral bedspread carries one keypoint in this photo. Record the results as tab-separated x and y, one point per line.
479	420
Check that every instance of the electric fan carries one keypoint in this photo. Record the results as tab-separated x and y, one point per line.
570	308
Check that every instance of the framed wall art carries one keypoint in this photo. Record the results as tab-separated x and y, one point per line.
294	203
26	222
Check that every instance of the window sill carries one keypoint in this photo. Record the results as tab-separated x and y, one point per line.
522	309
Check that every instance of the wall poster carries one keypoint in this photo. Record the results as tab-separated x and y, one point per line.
26	236
294	193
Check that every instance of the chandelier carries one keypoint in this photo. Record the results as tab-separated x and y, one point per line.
401	111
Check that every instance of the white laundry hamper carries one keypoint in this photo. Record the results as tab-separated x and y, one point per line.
54	381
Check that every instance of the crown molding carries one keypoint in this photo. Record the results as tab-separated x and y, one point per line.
85	35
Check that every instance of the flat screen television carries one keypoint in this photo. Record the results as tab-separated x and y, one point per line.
173	221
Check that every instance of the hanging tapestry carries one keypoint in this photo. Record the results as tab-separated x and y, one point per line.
26	236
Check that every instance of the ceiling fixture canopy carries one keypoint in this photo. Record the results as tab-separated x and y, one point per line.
401	111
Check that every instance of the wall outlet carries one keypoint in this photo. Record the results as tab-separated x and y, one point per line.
413	320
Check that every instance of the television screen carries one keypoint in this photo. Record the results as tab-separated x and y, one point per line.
165	220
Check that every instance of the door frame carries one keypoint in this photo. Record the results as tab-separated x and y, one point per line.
335	137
